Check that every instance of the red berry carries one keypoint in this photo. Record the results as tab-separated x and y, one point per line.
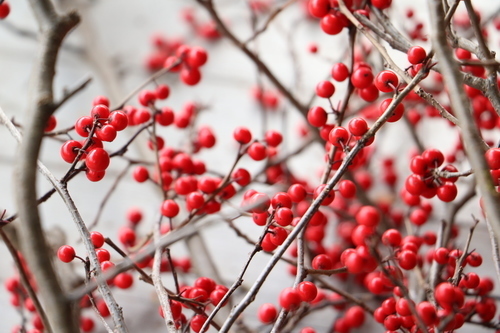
165	117
447	192
162	91
97	160
4	9
331	24
338	137
391	237
325	89
492	156
169	208
316	116
319	8
119	120
190	76
66	253
197	323
381	4
267	313
355	316
196	57
368	216
69	150
340	72
273	138
347	189
242	135
106	133
416	55
51	123
124	280
101	100
290	299
141	174
257	151
362	77
397	112
100	112
386	81
358	126
307	291
97	239
83	126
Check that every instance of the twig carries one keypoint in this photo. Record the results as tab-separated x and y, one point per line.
271	17
146	82
108	196
460	261
158	284
68	94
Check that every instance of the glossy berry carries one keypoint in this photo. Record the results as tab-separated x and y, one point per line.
381	4
397	112
391	237
69	150
386	81
358	126
169	208
83	126
267	313
66	253
197	323
4	10
242	135
97	239
340	72
257	151
362	77
325	89
241	176
316	116
319	8
416	55
97	160
273	138
190	76
51	124
290	299
492	157
307	291
100	112
124	280
119	120
106	133
347	189
368	216
196	57
447	192
140	174
331	24
338	137
162	91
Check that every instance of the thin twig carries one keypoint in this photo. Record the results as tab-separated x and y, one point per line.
158	284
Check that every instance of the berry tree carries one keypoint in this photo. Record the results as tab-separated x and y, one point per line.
362	186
